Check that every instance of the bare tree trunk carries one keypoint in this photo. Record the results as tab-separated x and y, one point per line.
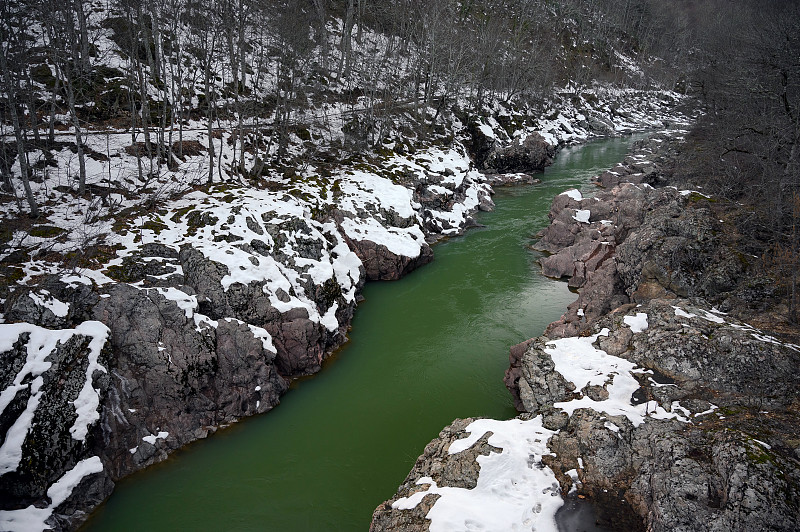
51	128
346	45
20	140
361	9
209	116
34	117
84	63
78	135
322	17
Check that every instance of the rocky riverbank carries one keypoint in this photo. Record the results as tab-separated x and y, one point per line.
133	329
662	395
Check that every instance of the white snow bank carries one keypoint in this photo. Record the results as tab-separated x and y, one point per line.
48	301
573	193
406	242
151	439
582	215
515	491
87	405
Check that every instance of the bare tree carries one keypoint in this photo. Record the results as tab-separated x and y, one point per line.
11	87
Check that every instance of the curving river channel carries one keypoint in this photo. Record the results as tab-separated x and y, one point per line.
423	351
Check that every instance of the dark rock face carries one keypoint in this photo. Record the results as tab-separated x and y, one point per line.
535	384
493	156
173	375
40	305
381	264
533	154
57	438
301	343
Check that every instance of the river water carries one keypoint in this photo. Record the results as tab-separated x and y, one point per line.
423	351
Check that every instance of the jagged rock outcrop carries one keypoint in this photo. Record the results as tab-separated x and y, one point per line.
455	470
732	463
519	155
381	264
533	154
177	374
301	343
633	242
53	383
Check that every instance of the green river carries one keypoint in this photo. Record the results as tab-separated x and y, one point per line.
423	351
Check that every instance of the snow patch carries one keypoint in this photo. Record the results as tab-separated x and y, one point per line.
573	193
579	362
151	439
514	489
637	323
582	215
33	518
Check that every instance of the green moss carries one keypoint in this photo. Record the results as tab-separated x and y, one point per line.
46	231
330	292
155	225
695	197
11	275
180	213
119	274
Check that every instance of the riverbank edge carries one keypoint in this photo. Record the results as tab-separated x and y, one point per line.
605	246
136	431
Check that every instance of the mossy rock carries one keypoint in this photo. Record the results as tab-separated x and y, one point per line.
196	219
229	238
696	197
180	213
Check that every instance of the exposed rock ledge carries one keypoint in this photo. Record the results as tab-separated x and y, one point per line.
665	412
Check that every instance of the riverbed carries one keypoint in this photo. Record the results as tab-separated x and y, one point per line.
423	350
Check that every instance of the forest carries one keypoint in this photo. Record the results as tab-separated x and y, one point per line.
270	71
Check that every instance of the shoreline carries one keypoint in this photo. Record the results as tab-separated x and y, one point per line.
597	442
187	322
